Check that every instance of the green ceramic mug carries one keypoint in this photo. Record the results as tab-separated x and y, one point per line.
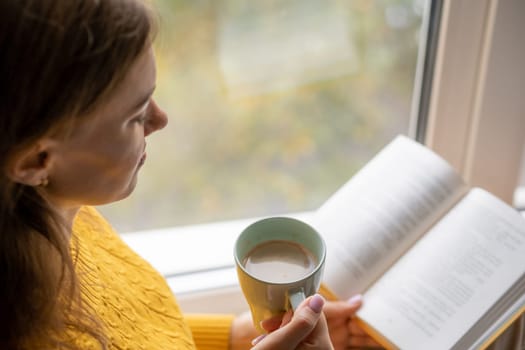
279	262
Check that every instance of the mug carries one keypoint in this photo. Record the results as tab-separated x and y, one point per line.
279	262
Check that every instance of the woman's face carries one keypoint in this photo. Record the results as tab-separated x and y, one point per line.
98	163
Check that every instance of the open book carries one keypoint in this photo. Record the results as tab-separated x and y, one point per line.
440	265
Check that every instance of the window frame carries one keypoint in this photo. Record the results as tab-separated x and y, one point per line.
465	113
475	118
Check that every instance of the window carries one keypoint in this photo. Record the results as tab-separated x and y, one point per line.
273	105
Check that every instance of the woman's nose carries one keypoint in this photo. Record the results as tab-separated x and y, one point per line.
157	119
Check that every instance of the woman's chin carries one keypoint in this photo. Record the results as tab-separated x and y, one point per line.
131	187
125	192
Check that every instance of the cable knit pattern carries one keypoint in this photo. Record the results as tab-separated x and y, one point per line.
132	299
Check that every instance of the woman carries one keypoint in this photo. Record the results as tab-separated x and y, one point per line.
76	106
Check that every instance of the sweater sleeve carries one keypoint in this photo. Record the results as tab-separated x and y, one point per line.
210	331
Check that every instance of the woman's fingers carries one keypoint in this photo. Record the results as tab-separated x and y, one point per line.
360	339
302	323
272	323
355	330
343	309
344	331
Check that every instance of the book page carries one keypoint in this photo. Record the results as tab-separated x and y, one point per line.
451	277
497	321
381	211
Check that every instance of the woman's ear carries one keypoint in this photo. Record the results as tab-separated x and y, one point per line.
31	165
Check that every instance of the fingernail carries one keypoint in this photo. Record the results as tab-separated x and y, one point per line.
316	303
258	339
356	299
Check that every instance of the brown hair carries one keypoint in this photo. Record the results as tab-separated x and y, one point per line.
59	59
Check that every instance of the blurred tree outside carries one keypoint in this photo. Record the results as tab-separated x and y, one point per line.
273	105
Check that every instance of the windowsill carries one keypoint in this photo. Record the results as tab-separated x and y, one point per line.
197	261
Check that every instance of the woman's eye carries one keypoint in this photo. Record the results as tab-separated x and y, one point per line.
142	116
141	119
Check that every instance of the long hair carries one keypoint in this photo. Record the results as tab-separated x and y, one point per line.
59	59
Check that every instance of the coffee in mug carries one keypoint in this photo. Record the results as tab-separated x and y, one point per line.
279	261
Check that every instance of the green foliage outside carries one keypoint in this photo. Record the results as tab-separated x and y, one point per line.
225	157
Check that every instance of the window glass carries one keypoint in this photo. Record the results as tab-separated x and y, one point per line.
273	105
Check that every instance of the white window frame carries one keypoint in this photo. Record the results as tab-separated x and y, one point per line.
477	108
475	120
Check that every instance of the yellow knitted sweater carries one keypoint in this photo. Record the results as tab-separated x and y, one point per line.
132	299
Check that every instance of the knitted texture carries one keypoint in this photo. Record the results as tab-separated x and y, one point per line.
131	298
211	332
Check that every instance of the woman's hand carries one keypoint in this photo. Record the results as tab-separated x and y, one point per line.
305	329
344	331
